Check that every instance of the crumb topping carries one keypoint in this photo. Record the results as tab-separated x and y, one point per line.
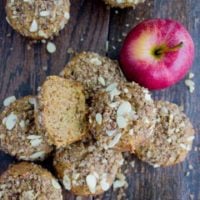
122	115
26	181
38	19
173	137
93	71
17	127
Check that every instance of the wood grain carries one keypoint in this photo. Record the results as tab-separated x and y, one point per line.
91	26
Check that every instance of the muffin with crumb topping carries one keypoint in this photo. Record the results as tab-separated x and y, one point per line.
85	168
18	134
122	116
172	139
28	181
38	19
93	71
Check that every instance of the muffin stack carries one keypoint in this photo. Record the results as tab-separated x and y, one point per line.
89	115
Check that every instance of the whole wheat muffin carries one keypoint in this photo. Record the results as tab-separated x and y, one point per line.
93	71
87	169
38	19
61	111
172	139
18	134
123	3
122	116
27	181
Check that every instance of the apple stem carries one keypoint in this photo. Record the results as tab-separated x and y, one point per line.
169	49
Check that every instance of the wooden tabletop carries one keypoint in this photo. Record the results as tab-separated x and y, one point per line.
92	25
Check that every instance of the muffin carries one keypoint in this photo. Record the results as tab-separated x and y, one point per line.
27	181
122	116
123	3
18	134
87	169
172	139
61	111
93	71
38	19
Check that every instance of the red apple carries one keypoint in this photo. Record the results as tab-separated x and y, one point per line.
157	53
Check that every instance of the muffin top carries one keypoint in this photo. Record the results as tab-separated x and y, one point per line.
61	111
172	139
28	181
93	71
85	168
18	134
122	116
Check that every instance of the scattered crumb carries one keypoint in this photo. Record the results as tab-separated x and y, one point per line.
8	34
39	88
132	164
28	47
190	167
191	75
51	47
116	12
190	84
114	47
187	173
70	51
45	68
191	197
107	45
124	34
44	41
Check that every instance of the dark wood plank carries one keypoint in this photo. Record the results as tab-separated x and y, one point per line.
91	25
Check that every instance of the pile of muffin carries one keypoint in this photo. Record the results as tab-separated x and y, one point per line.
86	118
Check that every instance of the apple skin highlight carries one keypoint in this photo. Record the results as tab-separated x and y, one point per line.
139	60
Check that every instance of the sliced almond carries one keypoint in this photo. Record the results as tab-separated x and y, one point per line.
33	137
95	61
102	80
34	26
38	155
91	183
104	185
124	109
67	182
122	122
55	184
115	140
36	142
